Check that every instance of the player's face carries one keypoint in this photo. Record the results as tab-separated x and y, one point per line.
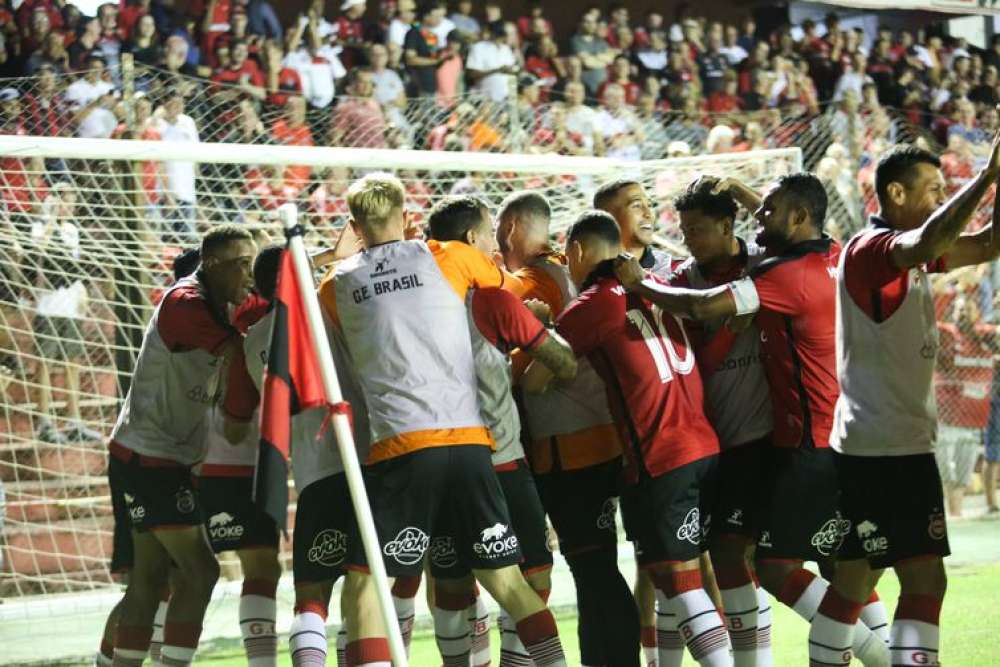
705	237
772	219
575	262
231	271
505	227
483	237
634	213
926	193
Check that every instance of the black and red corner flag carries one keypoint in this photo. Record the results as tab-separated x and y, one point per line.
292	383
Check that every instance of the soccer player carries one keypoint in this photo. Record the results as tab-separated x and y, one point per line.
655	393
159	435
793	295
885	422
400	306
573	448
738	406
499	323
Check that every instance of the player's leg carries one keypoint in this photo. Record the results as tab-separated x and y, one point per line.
258	607
452	631
645	601
149	575
46	345
404	595
122	558
307	641
479	629
915	634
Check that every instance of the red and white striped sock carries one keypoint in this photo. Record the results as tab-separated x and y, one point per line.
698	620
451	627
647	638
257	614
479	626
669	645
180	642
106	655
342	646
131	644
307	636
873	615
156	641
370	652
404	592
915	634
831	633
512	651
764	656
540	636
739	597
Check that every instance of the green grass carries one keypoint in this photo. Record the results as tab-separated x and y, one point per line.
969	621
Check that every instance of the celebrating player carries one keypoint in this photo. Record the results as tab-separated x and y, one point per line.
401	308
793	293
158	437
886	420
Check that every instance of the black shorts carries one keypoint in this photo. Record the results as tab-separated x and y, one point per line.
122	549
414	493
739	489
231	517
527	520
896	508
153	496
582	505
668	516
326	531
799	515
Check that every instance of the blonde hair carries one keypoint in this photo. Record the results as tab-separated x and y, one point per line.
373	198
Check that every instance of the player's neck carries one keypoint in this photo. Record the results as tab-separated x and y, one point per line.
635	249
721	263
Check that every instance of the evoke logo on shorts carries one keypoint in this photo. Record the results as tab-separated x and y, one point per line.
443	552
827	539
221	527
690	530
135	512
495	543
328	549
408	547
874	545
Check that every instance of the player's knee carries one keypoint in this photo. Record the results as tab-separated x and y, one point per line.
506	583
461	586
923	577
540	580
772	574
260	564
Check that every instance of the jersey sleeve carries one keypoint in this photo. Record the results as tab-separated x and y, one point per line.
775	292
868	264
505	321
585	323
185	323
465	267
241	394
535	283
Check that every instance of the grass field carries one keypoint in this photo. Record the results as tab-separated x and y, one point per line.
970	622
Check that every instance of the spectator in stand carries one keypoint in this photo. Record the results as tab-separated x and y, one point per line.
358	120
110	41
350	33
881	67
422	51
390	91
619	18
621	75
594	52
180	195
450	71
721	139
53	53
554	137
543	62
583	120
84	95
87	34
464	21
280	81
491	64
263	21
145	42
731	48
401	24
100	120
654	56
60	307
712	65
853	78
652	127
968	127
34	38
987	92
242	72
293	130
29	8
727	99
317	73
46	111
689	127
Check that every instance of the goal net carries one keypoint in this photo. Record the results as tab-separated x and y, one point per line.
89	229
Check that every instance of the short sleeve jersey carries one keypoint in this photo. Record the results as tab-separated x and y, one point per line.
647	363
505	322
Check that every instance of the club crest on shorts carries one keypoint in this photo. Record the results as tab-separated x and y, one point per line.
443	552
936	526
690	530
827	539
408	547
185	501
495	542
606	519
328	548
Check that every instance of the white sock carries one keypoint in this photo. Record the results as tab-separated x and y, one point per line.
451	632
101	660
831	632
342	646
479	624
699	621
764	657
741	618
176	656
914	643
307	640
669	645
156	640
128	658
512	651
647	639
874	616
405	613
257	614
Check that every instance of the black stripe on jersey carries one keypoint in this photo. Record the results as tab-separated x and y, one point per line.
797	251
807	439
618	396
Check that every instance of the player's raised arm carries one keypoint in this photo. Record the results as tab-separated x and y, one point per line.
723	301
941	234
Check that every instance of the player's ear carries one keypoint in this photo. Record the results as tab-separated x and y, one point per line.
355	227
897	193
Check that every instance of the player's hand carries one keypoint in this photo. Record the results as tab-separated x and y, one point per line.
411	229
539	309
628	270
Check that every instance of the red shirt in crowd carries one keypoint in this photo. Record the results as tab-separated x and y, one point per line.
965	374
248	69
296	176
647	363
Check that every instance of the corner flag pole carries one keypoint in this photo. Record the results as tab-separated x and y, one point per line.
289	214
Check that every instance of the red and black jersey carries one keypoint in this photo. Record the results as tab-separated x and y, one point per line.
647	363
504	321
798	302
